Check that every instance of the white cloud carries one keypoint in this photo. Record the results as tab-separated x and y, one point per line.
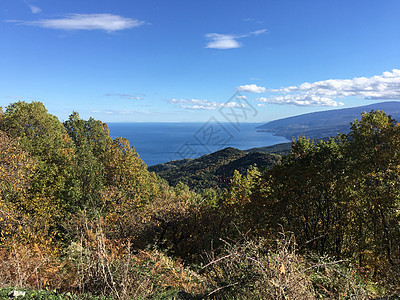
325	93
35	9
202	104
385	86
125	96
251	88
222	41
300	100
107	22
228	41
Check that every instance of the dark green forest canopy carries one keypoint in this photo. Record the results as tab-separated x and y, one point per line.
213	170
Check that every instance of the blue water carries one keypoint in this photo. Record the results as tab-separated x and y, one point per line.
161	142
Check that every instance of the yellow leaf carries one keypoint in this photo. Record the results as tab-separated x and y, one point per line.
282	269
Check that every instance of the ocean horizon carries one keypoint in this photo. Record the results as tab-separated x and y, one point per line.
159	142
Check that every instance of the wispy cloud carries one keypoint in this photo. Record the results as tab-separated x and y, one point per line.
326	92
35	9
257	32
126	96
228	41
119	112
251	88
107	22
252	20
202	104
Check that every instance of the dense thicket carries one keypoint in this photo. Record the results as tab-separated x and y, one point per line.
341	196
80	212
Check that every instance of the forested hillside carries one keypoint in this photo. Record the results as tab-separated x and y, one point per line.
213	170
81	216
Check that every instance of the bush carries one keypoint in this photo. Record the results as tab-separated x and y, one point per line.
252	270
113	267
265	270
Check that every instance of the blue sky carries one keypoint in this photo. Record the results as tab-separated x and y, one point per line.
180	61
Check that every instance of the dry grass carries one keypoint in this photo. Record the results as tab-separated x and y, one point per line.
109	267
249	270
265	270
29	266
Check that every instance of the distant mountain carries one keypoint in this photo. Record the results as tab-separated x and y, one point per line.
214	169
326	123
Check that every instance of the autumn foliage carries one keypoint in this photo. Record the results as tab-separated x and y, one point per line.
80	212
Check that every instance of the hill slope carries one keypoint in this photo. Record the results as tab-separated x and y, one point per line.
214	169
326	123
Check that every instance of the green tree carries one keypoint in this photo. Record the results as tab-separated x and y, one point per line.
52	192
92	142
374	178
305	195
240	207
126	171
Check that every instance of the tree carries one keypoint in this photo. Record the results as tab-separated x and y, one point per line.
15	170
305	197
52	192
374	175
125	170
92	141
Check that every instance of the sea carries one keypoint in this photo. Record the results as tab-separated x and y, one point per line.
157	142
